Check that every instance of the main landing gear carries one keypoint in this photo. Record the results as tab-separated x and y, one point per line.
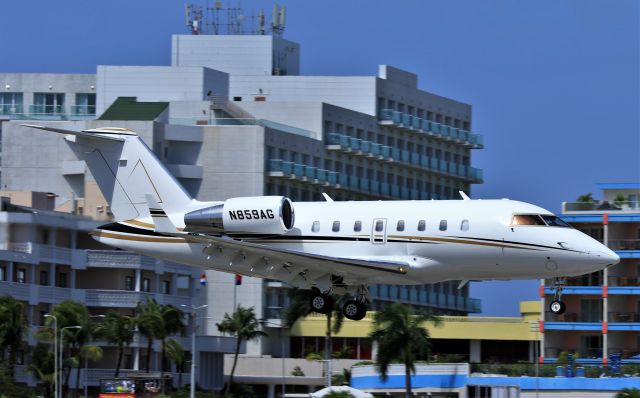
557	306
353	309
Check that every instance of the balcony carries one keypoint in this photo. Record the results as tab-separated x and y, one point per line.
627	281
624	244
418	125
354	146
129	299
624	317
599	206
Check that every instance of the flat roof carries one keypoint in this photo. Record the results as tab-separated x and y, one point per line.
618	185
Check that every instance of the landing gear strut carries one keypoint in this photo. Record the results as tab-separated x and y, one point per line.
322	303
557	306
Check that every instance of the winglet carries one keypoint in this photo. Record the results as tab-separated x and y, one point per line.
161	221
464	195
327	197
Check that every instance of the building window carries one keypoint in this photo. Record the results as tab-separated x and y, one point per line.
3	273
422	225
48	103
357	226
44	278
260	98
128	283
62	279
443	225
146	285
166	287
315	227
464	225
43	318
21	275
10	103
85	104
400	225
336	226
237	99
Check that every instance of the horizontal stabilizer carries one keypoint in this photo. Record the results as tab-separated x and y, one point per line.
76	133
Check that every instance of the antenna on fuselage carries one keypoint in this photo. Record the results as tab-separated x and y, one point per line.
464	195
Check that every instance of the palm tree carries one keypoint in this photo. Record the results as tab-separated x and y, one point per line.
118	329
401	336
242	325
42	367
176	354
628	393
13	326
71	313
149	321
171	325
300	306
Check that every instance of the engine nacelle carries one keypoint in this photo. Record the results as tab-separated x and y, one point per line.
254	214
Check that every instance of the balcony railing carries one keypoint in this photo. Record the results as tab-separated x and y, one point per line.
83	110
573	317
624	317
624	281
600	206
49	112
437	130
369	149
624	244
11	109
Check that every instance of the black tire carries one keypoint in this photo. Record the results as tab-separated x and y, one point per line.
321	303
557	307
354	310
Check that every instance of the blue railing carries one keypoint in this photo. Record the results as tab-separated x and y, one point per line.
441	130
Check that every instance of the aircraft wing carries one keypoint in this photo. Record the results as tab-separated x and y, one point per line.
298	268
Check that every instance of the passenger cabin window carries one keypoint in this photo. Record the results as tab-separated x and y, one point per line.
400	225
315	227
422	225
443	225
336	226
379	226
527	219
464	225
357	226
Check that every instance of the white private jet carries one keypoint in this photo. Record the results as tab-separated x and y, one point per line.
331	247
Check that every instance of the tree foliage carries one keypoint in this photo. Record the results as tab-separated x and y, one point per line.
401	338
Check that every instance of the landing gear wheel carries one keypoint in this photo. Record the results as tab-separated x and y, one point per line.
557	307
322	303
354	310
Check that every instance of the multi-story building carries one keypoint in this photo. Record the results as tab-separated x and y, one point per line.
47	257
231	116
603	308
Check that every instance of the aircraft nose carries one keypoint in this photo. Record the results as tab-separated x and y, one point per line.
606	256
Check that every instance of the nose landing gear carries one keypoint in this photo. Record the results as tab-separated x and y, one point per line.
557	306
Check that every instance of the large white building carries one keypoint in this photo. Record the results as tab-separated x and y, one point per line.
231	116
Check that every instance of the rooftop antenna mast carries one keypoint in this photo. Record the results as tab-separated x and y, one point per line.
278	20
194	18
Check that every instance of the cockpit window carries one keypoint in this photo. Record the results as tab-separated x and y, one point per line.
555	221
527	219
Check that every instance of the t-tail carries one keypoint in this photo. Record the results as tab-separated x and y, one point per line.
126	171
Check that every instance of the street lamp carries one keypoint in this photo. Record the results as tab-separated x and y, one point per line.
264	321
61	351
86	361
192	315
55	353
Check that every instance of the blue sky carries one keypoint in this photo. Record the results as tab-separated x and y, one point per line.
554	85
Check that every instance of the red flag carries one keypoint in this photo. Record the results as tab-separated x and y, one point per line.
238	279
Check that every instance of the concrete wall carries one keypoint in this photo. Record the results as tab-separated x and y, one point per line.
239	55
352	92
157	83
30	83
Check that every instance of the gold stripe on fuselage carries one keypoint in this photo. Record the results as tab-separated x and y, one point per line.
137	238
461	241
